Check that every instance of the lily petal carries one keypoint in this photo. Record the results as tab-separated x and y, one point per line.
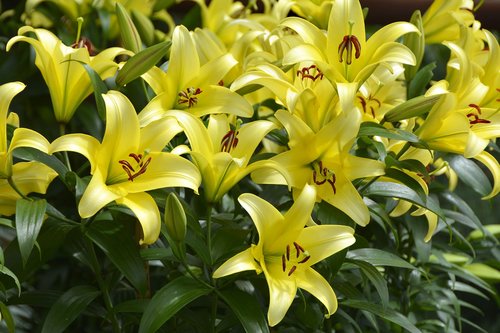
243	261
316	284
146	211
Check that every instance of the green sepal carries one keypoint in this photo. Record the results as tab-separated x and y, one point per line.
144	27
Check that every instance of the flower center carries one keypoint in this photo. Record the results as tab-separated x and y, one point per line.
322	175
292	258
188	96
84	42
369	104
474	116
312	72
137	167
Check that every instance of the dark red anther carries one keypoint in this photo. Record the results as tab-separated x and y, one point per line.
305	260
229	141
292	270
348	43
283	263
312	72
288	252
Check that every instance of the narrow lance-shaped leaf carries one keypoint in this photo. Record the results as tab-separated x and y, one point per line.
378	257
6	317
387	314
470	173
169	300
99	89
6	271
142	62
121	249
420	81
375	278
68	307
29	219
247	309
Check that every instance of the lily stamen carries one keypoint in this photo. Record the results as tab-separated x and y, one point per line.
475	117
322	172
230	140
301	257
141	164
312	72
189	96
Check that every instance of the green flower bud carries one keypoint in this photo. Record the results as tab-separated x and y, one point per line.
175	218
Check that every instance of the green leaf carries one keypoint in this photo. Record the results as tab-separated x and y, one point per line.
412	108
32	154
122	249
378	257
6	317
68	307
465	209
99	89
169	300
470	173
407	180
130	37
4	270
29	219
132	306
400	191
375	277
6	223
373	129
387	314
142	62
422	78
247	309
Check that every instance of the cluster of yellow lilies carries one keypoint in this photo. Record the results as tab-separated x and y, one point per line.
325	77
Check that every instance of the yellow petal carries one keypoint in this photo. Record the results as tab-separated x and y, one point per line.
243	261
316	284
146	211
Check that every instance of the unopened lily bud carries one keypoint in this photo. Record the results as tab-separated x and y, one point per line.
416	43
175	218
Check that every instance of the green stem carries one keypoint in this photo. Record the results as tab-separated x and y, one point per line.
102	285
62	131
209	245
18	191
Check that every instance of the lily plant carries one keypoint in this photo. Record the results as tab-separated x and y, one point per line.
287	249
62	68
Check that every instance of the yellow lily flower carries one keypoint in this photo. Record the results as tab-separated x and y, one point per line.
322	159
222	152
128	162
62	68
442	20
189	84
286	251
7	93
29	177
344	55
22	137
